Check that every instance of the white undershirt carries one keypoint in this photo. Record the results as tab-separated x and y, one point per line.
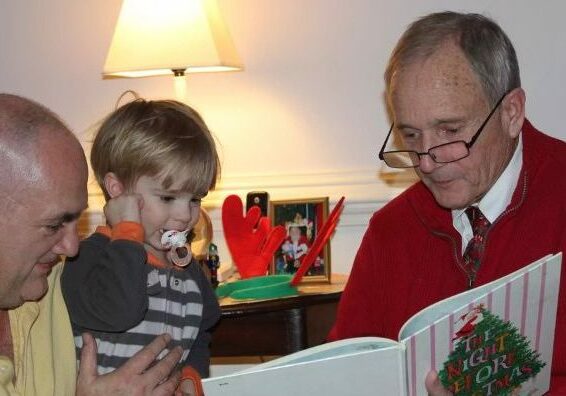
496	200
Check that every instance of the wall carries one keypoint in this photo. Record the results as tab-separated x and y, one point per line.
306	117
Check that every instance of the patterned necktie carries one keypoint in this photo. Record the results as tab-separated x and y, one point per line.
474	251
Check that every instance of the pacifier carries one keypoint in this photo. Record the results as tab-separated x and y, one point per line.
176	241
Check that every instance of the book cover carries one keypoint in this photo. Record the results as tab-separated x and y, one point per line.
494	339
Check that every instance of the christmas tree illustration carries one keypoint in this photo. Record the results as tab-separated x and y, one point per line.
491	357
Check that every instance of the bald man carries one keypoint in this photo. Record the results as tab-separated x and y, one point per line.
43	192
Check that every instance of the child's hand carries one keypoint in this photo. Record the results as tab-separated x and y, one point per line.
125	207
191	383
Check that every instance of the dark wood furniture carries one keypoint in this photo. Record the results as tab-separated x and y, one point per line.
277	327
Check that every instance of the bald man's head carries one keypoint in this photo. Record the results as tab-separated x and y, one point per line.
22	124
43	191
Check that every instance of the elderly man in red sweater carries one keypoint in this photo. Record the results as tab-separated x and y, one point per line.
457	106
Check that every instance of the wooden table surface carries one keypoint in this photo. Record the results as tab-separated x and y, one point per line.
278	326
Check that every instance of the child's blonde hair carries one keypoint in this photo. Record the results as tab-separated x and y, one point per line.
161	138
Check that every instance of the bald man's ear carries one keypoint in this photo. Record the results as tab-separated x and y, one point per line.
113	185
513	112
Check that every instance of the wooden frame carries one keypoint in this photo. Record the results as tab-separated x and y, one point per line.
302	218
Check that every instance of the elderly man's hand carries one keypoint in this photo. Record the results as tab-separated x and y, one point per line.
134	377
433	385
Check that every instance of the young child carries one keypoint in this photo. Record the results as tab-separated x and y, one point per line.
134	278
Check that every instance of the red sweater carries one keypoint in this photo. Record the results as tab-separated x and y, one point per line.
411	254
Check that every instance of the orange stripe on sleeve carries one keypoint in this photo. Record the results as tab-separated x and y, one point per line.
104	230
129	230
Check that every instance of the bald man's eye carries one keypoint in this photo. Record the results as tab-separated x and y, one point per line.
54	228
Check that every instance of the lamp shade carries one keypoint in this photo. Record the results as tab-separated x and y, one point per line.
155	37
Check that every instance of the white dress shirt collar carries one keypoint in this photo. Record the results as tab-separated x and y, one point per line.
496	200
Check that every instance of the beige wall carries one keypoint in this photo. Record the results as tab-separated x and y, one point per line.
306	118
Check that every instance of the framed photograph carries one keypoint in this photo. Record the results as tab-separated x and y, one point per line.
302	218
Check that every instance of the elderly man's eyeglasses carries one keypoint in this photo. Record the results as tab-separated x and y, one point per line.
442	154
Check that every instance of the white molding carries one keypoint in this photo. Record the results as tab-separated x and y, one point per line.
360	187
365	190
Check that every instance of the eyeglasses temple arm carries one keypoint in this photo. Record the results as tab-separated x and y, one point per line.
475	137
385	143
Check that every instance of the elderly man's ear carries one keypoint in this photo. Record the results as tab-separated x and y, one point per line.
513	112
113	185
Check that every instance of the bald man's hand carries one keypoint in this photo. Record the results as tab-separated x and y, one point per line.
433	385
134	377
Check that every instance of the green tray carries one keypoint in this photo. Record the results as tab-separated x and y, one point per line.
259	287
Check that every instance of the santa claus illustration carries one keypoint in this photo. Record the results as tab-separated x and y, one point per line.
294	248
469	321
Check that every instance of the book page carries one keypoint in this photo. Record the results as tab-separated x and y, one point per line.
361	366
351	346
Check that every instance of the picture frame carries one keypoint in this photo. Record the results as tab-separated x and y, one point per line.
302	219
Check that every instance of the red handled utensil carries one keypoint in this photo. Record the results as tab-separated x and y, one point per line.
320	240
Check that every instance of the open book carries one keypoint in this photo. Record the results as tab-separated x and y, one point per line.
493	339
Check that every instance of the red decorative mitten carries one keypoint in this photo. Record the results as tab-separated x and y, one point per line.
251	247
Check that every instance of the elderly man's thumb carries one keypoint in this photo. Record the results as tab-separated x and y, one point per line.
433	385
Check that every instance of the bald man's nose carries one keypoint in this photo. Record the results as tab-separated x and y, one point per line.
68	245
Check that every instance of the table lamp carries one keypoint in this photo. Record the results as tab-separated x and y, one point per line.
160	37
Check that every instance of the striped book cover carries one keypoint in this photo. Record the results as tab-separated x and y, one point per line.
517	311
